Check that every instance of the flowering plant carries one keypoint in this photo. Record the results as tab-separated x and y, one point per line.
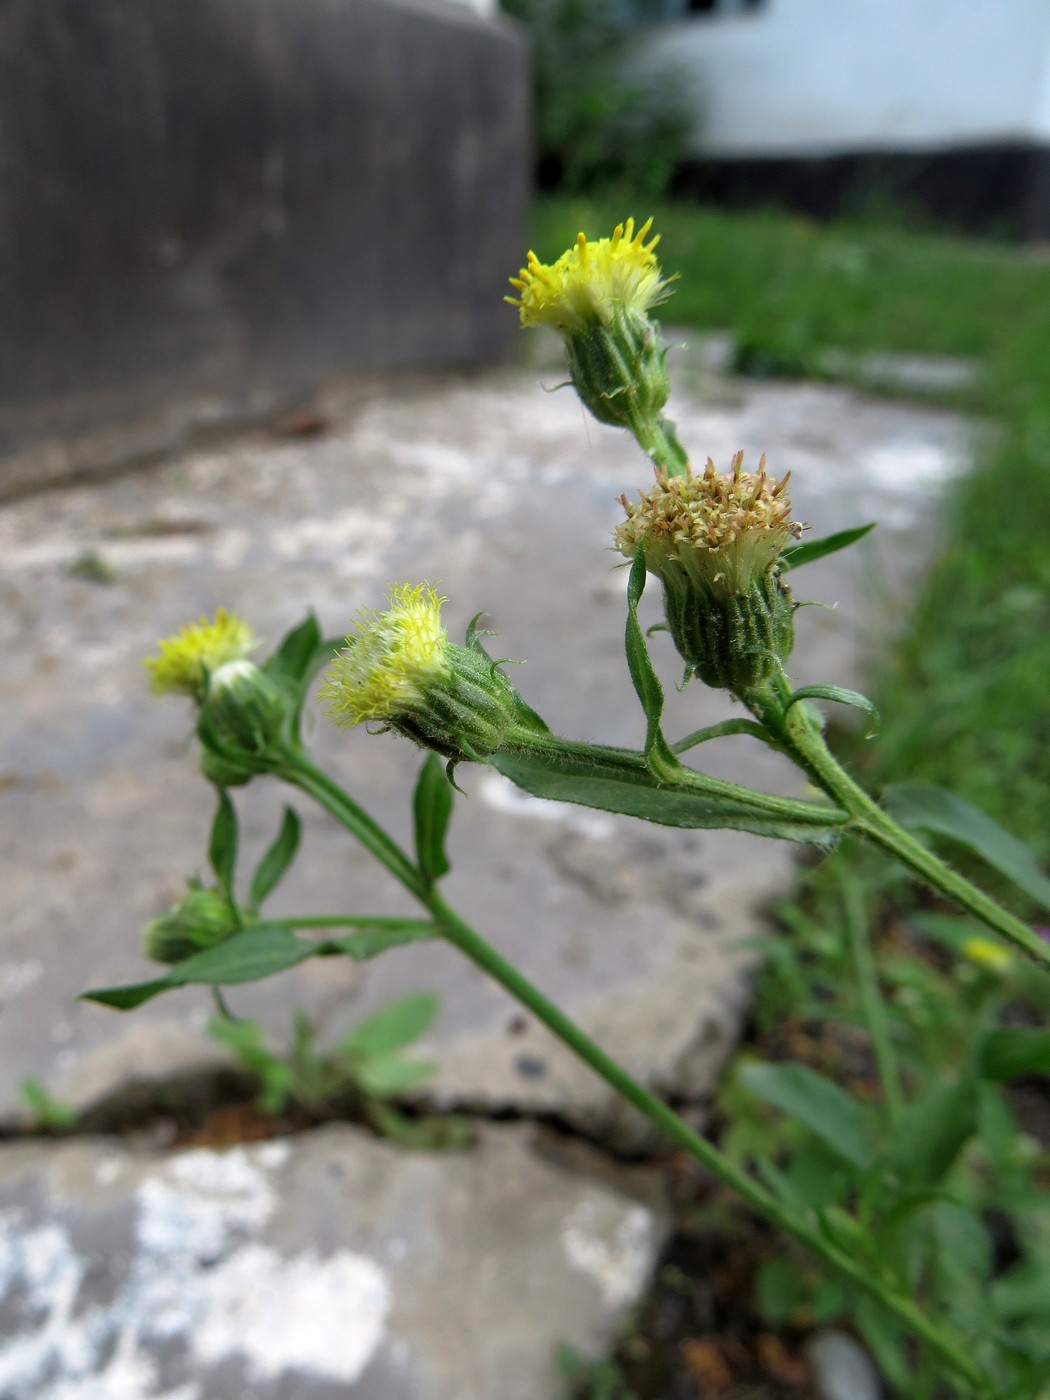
721	544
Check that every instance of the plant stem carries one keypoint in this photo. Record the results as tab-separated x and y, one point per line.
484	956
871	999
805	743
301	772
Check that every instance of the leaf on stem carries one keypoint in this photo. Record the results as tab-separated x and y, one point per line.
646	682
396	1026
796	555
629	788
935	809
276	860
841	696
829	1112
370	942
296	650
432	809
222	844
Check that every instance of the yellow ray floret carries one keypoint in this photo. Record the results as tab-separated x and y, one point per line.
390	658
199	647
591	281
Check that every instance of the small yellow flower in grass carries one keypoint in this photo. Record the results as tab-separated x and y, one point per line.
983	953
713	541
199	647
390	660
592	282
400	670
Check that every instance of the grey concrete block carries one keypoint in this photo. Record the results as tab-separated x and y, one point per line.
206	208
310	1268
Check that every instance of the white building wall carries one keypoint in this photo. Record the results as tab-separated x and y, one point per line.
820	77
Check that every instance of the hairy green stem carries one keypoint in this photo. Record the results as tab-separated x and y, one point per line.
871	999
803	740
805	1229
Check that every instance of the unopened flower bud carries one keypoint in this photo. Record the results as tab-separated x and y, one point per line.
201	919
400	670
247	707
713	541
598	296
988	956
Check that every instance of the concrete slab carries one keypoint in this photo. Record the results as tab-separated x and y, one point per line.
310	1268
505	496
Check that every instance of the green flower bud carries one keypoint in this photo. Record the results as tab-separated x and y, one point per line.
224	773
399	669
201	919
598	296
247	707
713	541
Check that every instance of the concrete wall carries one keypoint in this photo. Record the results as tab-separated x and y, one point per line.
826	77
214	203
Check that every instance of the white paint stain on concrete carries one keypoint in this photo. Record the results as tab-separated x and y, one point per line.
612	1247
197	1275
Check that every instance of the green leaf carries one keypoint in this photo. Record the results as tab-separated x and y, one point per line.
432	808
646	682
276	860
624	784
839	694
1014	1050
257	952
720	731
778	1291
222	844
395	1026
370	942
932	1131
128	997
384	1075
295	652
935	809
815	1102
797	554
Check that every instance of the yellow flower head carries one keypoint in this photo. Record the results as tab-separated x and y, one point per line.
724	530
390	660
983	953
199	647
591	282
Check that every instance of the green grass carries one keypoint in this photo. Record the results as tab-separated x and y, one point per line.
964	696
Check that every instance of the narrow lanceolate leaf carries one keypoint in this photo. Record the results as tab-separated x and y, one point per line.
817	1103
370	942
279	856
933	1130
623	783
296	650
840	695
646	682
388	1075
935	809
432	809
260	951
797	554
222	845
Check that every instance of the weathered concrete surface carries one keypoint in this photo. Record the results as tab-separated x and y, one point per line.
309	1268
505	496
207	207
